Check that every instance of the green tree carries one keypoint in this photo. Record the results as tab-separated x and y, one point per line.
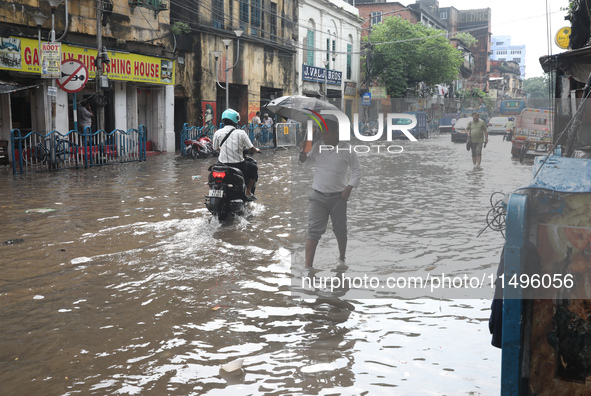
475	98
538	90
405	54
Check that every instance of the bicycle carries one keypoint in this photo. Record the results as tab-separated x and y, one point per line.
39	153
65	149
35	155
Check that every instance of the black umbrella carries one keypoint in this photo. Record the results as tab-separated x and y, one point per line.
299	108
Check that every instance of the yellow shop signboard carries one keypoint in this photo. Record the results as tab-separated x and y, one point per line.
22	55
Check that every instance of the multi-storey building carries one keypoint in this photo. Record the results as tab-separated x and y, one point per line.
160	63
124	45
330	38
240	50
502	50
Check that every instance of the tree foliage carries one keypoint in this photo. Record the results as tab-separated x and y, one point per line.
473	98
466	38
536	87
538	90
405	54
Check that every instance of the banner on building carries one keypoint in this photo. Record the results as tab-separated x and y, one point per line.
319	74
23	55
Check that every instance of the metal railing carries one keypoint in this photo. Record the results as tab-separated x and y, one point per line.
260	136
35	151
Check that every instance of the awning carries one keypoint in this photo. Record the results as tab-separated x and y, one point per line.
6	87
576	63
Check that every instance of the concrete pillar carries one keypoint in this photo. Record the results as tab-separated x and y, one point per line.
132	116
169	137
156	116
120	105
38	120
6	122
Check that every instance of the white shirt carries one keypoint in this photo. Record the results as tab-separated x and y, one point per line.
331	166
232	150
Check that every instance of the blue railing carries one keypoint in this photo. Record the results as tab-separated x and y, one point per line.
35	151
261	137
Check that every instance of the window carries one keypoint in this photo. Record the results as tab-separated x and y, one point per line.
376	17
515	52
502	52
443	15
349	61
244	13
518	60
310	48
273	21
218	14
541	121
328	51
255	15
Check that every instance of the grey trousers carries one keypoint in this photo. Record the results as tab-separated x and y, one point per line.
323	206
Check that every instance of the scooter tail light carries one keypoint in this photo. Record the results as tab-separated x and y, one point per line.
218	175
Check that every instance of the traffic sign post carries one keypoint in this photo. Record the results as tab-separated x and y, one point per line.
74	76
366	99
74	79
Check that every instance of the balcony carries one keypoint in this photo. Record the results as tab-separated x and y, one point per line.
155	5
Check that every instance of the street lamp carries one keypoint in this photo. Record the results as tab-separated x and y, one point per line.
326	63
227	44
39	19
53	4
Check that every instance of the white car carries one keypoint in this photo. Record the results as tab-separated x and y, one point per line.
498	125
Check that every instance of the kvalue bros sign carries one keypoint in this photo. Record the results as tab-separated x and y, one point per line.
312	73
122	66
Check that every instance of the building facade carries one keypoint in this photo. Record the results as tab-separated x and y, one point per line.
238	54
330	42
135	66
503	51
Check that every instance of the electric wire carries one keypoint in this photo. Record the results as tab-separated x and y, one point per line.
495	217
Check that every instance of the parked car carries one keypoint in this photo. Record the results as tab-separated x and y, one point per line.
498	125
458	131
446	122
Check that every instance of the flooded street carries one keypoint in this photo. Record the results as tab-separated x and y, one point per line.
115	280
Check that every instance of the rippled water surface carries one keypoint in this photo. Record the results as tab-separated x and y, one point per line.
115	280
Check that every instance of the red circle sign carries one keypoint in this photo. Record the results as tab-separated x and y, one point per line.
74	76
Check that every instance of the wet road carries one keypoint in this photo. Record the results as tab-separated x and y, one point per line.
115	281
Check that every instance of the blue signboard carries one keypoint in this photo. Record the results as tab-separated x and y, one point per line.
312	73
366	99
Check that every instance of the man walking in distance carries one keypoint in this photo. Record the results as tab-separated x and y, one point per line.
330	191
478	135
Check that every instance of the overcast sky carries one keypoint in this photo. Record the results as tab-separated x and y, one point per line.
525	21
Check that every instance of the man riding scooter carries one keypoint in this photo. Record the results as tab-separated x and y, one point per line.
231	143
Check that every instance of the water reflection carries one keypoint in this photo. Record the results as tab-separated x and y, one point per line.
128	287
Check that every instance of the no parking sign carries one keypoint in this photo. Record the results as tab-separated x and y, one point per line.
74	76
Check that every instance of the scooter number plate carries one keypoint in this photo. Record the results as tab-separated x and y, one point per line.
216	193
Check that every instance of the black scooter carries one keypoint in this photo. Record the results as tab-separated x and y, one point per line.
227	190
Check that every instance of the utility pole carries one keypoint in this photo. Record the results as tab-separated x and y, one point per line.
100	110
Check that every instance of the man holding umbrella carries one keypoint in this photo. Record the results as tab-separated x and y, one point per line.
332	160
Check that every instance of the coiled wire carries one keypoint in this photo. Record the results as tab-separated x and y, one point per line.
495	218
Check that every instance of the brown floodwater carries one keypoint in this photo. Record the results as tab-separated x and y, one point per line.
115	280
